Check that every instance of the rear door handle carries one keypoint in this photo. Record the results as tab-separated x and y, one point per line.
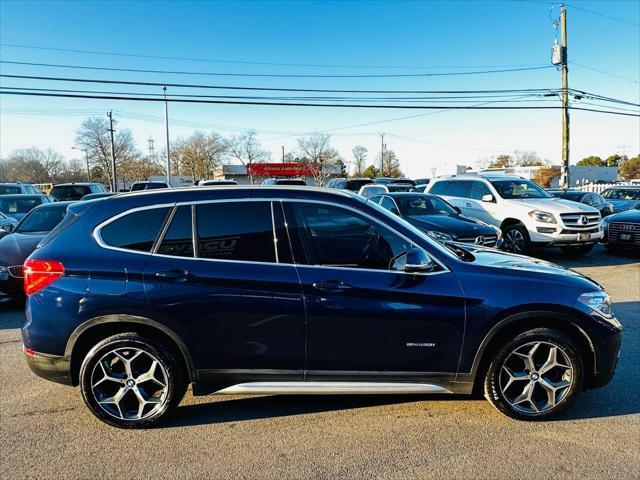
332	286
177	275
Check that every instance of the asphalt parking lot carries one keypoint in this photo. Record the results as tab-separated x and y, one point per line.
46	432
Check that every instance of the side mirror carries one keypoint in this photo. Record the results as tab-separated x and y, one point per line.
487	198
458	209
417	260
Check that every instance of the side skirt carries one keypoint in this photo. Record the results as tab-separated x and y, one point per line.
331	388
241	381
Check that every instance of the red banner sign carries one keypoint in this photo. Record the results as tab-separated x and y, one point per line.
280	169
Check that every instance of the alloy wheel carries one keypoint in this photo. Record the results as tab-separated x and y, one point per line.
129	383
536	377
514	241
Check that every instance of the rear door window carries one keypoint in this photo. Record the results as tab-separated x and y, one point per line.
135	231
440	188
241	231
178	241
459	189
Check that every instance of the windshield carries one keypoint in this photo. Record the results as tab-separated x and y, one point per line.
622	194
74	192
290	182
18	205
356	185
510	189
419	206
42	219
402	188
9	189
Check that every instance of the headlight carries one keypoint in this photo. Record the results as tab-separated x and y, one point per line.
598	301
441	237
544	217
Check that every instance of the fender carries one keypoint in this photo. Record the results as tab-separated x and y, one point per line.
132	319
505	322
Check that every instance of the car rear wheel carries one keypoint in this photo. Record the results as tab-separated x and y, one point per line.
535	375
578	250
515	239
129	381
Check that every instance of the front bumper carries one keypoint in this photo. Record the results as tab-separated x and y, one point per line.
559	237
50	367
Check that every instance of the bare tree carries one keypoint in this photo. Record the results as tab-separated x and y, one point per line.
34	165
199	154
246	148
93	135
360	155
391	164
317	154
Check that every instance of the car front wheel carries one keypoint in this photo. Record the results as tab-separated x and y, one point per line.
515	239
129	381
535	375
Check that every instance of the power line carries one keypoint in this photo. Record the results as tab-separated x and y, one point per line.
245	62
603	15
267	89
500	99
124	96
276	75
299	104
609	74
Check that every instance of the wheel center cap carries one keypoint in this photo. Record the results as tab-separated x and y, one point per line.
131	383
535	376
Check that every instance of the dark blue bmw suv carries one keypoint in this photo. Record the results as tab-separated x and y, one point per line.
299	290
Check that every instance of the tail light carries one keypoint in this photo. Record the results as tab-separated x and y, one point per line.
40	273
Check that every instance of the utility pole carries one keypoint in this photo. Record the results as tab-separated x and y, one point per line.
166	123
564	177
282	153
382	154
114	187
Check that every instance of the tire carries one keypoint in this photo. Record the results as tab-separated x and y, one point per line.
130	381
529	396
578	251
516	239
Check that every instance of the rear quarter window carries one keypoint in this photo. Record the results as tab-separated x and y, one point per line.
136	230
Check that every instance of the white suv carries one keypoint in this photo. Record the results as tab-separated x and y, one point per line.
527	214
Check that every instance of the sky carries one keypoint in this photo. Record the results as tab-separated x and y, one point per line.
326	38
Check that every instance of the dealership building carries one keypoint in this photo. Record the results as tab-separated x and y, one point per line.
261	171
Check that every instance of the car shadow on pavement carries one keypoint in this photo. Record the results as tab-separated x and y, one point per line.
11	315
273	406
599	257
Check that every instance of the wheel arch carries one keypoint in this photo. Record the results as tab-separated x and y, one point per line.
85	336
510	221
523	321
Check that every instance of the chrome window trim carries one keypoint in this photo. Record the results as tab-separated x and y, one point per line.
273	229
175	205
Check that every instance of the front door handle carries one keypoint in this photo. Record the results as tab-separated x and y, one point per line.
332	286
176	275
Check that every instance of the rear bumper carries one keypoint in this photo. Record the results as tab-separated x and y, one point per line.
50	367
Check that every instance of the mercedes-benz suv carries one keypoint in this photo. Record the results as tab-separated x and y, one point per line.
527	214
299	290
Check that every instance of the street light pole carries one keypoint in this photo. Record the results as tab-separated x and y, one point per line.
166	123
86	157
